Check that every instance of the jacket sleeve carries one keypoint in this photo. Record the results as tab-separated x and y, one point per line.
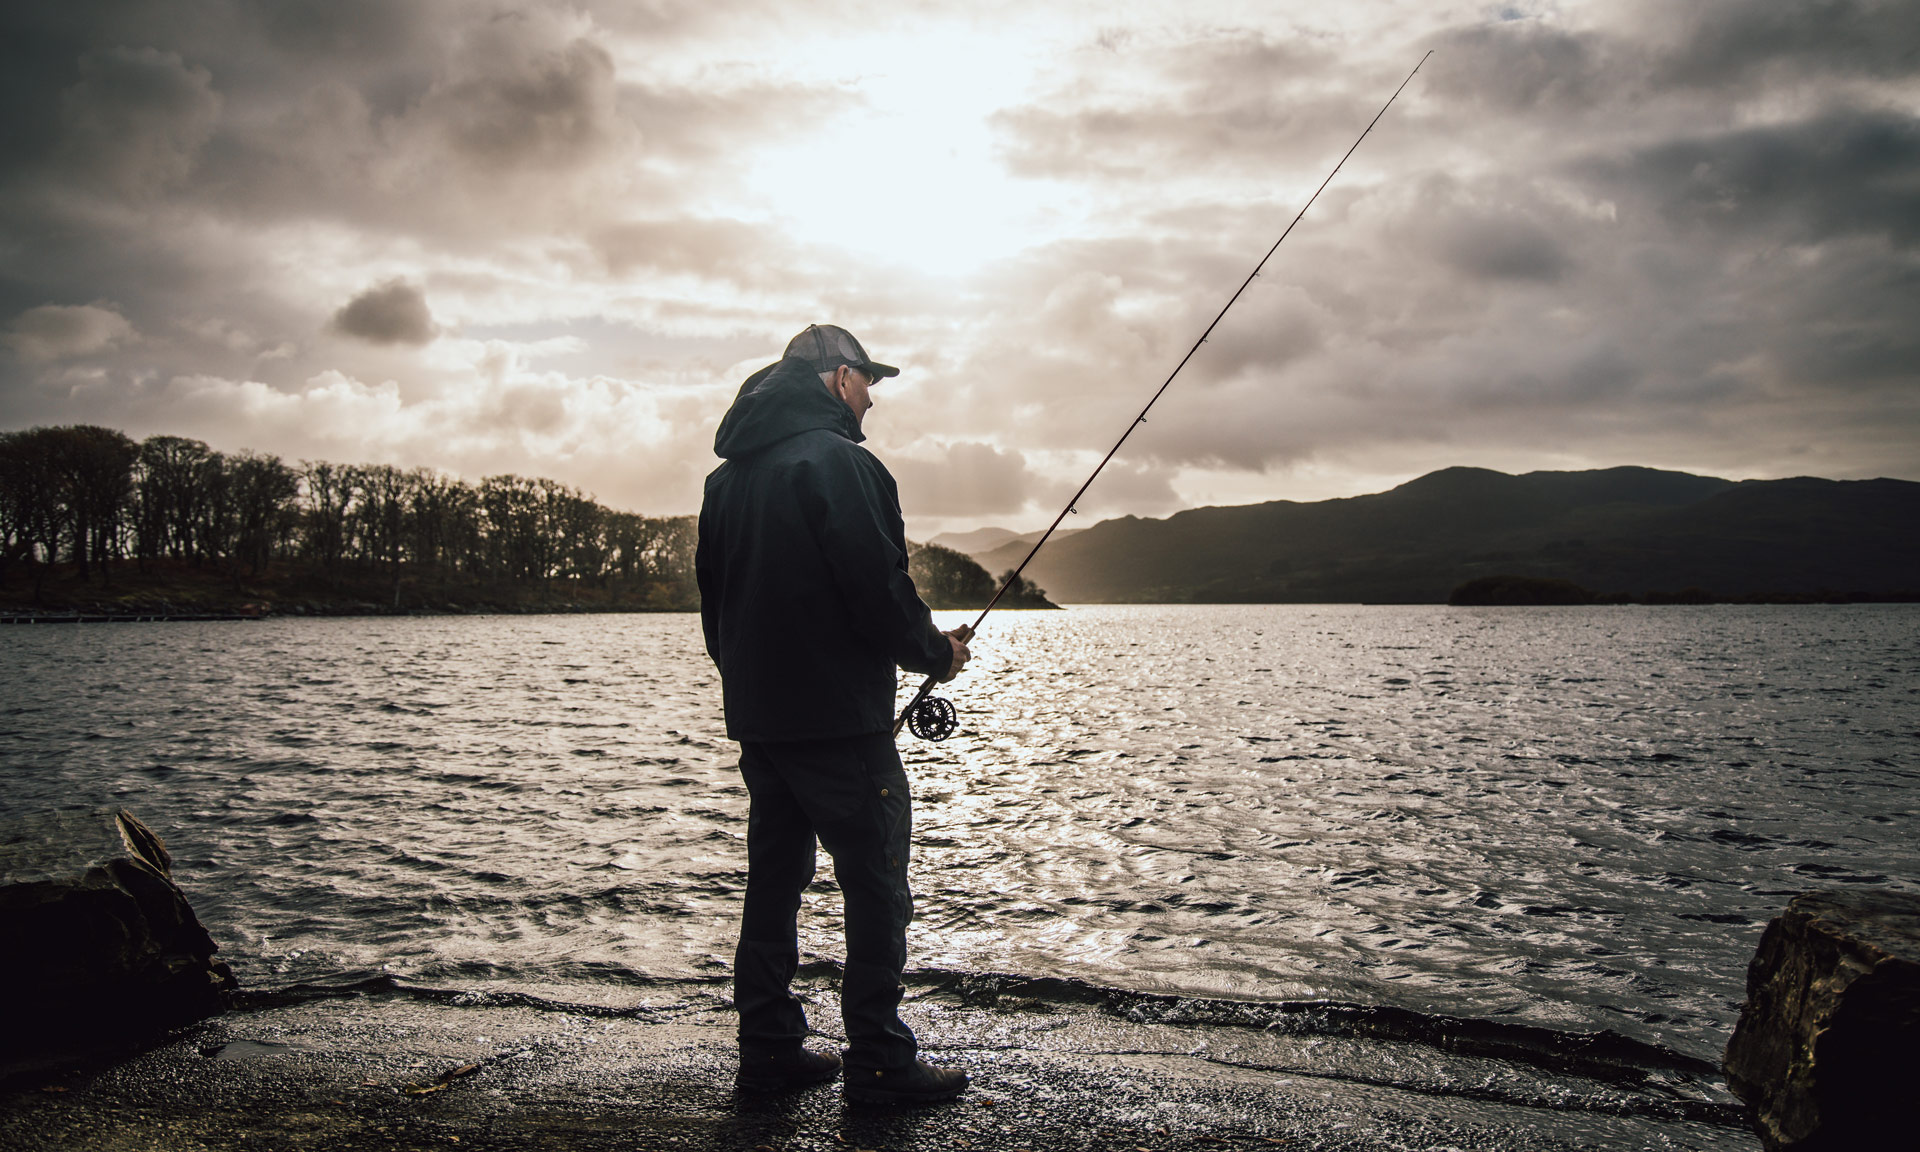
863	540
704	577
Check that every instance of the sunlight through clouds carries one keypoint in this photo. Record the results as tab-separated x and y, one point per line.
910	176
552	238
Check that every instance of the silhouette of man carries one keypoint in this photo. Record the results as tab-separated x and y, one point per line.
808	610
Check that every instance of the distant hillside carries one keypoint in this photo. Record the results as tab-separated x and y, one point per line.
987	541
978	541
1631	530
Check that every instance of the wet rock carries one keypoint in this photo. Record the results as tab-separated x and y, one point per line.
1827	1051
98	946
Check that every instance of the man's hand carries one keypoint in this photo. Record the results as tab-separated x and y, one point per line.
960	653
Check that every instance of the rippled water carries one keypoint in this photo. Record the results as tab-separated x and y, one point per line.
1576	818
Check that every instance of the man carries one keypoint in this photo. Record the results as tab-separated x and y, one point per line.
808	609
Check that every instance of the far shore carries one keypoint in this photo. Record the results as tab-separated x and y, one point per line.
126	590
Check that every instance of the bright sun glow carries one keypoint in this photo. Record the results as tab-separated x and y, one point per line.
910	176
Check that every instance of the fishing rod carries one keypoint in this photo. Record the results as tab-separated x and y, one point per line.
932	718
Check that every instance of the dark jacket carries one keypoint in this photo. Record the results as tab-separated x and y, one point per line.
802	563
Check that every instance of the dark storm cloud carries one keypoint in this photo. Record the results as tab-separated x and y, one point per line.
1727	41
334	29
1846	171
393	312
509	106
1711	47
136	120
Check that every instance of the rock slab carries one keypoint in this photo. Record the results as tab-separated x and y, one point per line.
1827	1050
98	945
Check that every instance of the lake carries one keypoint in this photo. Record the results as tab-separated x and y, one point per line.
1576	818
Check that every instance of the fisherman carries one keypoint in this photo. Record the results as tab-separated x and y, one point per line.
808	609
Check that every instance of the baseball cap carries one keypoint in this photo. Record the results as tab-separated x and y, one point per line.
827	346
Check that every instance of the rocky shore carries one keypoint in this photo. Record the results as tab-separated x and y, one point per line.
388	1067
131	1035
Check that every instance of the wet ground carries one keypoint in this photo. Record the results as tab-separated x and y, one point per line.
415	1069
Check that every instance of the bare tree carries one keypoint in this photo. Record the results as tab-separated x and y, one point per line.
264	492
443	519
95	467
385	493
168	481
30	511
212	518
328	492
89	495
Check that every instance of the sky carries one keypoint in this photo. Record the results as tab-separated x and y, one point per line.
552	239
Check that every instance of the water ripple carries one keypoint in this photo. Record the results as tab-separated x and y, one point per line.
1572	819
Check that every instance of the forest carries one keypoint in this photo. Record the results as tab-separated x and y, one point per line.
93	519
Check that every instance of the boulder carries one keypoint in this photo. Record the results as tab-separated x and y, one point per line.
1827	1050
98	946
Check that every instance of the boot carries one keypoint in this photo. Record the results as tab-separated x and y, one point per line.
917	1083
783	1071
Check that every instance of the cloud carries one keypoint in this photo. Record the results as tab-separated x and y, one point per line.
1588	233
137	119
1720	42
332	29
66	332
720	249
1489	233
391	312
1528	67
968	478
526	88
1845	171
1161	107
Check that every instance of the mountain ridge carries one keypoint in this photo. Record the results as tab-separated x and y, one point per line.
1630	529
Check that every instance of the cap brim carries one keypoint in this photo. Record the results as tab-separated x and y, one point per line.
881	371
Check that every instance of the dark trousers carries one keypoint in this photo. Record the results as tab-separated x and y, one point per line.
851	795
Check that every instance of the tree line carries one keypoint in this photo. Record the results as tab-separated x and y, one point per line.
90	497
947	578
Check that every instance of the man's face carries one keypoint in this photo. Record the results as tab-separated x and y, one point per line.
851	385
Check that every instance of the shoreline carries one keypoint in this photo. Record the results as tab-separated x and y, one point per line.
298	612
385	1065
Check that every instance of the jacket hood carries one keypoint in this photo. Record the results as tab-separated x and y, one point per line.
779	401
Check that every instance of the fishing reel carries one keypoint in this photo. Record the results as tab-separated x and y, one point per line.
932	718
929	717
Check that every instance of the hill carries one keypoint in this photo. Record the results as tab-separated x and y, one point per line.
1614	530
985	541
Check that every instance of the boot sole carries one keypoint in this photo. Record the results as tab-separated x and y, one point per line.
748	1082
783	1083
780	1085
900	1099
